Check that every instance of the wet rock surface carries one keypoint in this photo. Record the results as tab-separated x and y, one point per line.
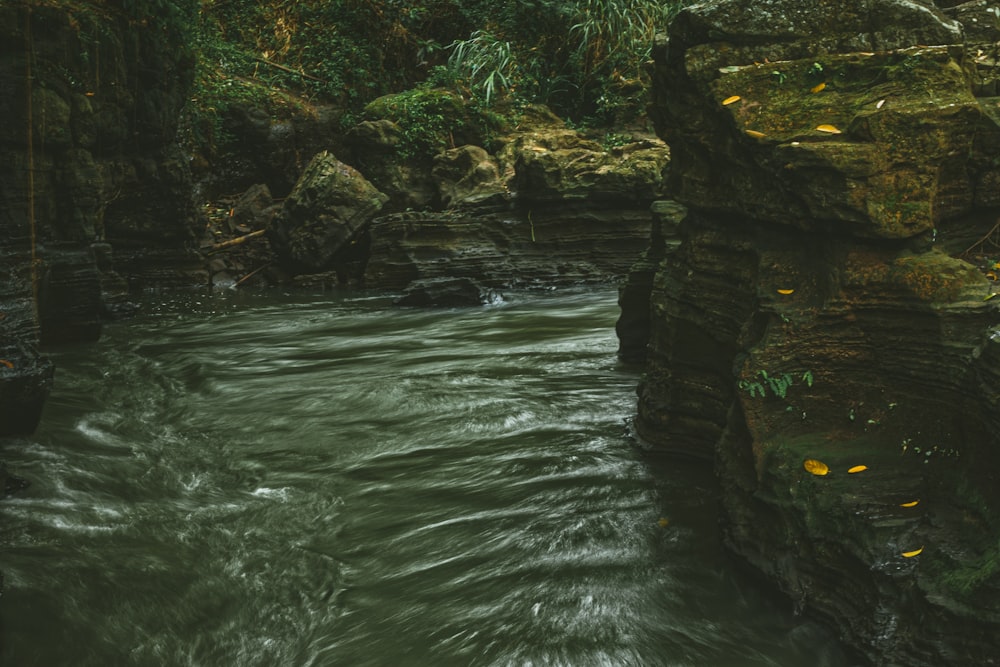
830	300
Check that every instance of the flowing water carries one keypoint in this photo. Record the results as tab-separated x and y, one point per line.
280	480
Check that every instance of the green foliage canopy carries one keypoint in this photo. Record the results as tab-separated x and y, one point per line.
582	57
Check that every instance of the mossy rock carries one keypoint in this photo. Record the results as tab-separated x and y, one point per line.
878	141
431	120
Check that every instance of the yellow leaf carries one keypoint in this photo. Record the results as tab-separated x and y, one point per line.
989	296
663	522
817	88
6	363
911	554
912	503
815	467
857	469
729	100
991	275
829	129
755	134
785	291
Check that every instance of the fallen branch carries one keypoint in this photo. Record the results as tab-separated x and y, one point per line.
234	242
290	70
251	274
984	239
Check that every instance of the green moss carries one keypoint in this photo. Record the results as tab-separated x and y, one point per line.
433	119
787	101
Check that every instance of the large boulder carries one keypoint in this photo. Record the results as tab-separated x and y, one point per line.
325	212
559	165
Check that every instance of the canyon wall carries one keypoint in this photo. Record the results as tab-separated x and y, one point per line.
91	178
823	326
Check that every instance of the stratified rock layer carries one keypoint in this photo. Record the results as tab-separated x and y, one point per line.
89	97
565	211
835	162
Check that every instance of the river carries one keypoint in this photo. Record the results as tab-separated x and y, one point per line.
241	479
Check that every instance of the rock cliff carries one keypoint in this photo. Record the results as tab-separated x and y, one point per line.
829	306
552	208
89	96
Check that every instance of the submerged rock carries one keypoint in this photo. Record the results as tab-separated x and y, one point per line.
25	383
447	293
837	170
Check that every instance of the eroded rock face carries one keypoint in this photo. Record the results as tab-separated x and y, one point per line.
467	175
835	164
633	325
573	246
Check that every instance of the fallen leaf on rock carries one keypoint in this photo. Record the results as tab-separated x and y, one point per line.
663	522
911	554
829	129
912	503
6	363
786	291
991	275
817	88
989	296
815	467
729	100
755	134
857	469
878	105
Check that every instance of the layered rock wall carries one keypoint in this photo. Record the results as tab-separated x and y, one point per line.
830	301
89	97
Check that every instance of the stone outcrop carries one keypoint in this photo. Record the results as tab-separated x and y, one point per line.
828	301
565	211
547	207
89	100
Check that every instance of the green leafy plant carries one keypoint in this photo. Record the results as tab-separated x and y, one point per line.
777	384
486	60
